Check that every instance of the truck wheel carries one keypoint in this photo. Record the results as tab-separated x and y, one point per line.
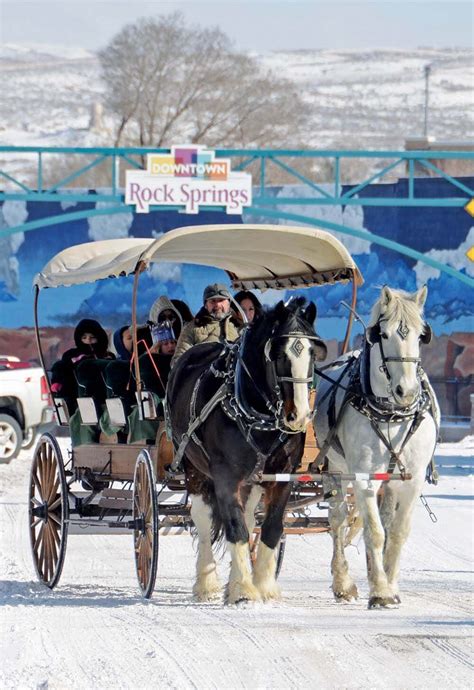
11	437
29	438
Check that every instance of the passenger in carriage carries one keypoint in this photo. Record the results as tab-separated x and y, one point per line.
91	344
214	322
163	309
123	343
250	305
118	376
155	369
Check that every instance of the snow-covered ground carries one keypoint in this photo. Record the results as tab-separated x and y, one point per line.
94	631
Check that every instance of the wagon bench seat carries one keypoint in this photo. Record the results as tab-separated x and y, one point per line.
111	461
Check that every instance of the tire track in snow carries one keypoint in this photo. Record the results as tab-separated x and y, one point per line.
446	645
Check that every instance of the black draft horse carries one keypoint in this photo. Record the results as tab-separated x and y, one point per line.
257	426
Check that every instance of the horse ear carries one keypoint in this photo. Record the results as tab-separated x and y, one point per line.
426	334
280	310
310	313
385	296
372	334
420	296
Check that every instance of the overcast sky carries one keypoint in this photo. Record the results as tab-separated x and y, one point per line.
253	24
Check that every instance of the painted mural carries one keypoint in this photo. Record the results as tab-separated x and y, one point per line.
445	234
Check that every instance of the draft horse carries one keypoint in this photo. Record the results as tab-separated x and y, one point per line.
381	416
238	410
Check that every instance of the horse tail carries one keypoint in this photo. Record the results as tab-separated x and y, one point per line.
217	529
199	485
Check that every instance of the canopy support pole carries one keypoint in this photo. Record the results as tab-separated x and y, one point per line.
40	351
141	266
350	321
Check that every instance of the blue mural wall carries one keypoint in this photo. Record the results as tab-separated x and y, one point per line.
444	234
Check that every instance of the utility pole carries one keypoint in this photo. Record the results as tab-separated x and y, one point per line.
427	71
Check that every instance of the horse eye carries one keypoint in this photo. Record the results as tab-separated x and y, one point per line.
384	336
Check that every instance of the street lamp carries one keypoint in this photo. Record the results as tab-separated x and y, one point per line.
427	71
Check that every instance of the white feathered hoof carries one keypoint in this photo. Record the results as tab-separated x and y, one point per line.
264	573
268	589
237	592
346	594
207	588
382	602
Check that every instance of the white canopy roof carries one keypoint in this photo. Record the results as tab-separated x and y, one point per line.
254	256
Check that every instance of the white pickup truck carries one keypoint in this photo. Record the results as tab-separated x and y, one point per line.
25	405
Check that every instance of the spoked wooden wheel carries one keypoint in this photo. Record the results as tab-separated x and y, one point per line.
145	516
48	511
255	541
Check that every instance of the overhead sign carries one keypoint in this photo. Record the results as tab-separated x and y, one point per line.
189	176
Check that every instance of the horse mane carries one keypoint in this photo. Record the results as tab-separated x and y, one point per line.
401	307
269	317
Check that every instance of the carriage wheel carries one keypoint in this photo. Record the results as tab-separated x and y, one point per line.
48	511
280	555
145	516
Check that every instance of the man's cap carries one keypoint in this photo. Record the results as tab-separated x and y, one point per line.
216	290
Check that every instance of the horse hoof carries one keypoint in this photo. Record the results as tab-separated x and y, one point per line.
207	592
397	599
270	593
382	602
239	593
346	594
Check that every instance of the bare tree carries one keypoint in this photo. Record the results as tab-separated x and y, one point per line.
168	82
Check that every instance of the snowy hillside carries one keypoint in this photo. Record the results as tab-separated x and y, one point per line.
361	99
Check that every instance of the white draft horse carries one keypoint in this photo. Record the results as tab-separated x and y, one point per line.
381	417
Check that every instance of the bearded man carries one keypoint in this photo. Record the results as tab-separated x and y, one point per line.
213	323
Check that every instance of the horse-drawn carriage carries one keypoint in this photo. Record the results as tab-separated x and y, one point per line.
242	405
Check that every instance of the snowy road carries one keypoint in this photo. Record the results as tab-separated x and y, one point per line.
94	631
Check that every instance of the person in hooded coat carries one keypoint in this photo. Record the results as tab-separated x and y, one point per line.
163	309
155	366
91	344
123	343
118	373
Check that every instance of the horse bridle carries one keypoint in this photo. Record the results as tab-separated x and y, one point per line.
276	404
297	349
374	336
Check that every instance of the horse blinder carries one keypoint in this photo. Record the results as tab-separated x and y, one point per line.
320	351
372	334
427	334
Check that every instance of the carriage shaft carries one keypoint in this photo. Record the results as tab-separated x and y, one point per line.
351	477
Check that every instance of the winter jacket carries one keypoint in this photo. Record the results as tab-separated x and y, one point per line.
63	380
206	329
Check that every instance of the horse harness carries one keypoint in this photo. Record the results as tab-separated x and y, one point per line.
231	367
376	409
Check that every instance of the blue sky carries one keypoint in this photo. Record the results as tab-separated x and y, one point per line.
252	24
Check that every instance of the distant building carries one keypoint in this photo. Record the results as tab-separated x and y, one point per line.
453	167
